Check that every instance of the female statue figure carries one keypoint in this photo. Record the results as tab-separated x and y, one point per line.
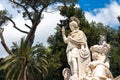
98	69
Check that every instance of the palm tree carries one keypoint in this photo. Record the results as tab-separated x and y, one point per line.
24	63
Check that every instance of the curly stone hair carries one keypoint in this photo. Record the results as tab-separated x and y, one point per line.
73	18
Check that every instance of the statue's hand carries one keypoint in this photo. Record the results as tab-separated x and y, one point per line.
63	30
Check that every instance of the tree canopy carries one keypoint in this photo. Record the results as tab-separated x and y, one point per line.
21	54
49	62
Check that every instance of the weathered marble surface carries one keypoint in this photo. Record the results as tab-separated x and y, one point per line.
98	69
78	54
79	59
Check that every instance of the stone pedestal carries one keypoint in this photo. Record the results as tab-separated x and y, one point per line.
74	78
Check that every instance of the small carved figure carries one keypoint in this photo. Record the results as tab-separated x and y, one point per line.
66	73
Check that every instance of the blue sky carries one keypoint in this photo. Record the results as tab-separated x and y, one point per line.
105	11
90	5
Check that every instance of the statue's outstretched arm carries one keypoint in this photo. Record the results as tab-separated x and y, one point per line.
65	39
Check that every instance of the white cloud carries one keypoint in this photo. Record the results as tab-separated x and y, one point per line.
47	26
77	6
1	7
107	15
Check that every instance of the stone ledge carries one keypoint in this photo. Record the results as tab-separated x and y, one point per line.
117	78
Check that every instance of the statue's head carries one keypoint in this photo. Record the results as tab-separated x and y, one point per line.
96	50
73	25
66	73
73	18
95	56
102	39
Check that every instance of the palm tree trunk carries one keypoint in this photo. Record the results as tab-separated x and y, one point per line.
19	75
25	73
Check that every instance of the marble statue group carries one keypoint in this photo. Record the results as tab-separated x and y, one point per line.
79	56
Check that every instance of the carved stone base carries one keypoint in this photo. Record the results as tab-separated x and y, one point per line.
74	78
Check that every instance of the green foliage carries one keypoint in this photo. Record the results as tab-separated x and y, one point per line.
26	63
1	75
2	14
57	56
1	71
115	55
115	62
